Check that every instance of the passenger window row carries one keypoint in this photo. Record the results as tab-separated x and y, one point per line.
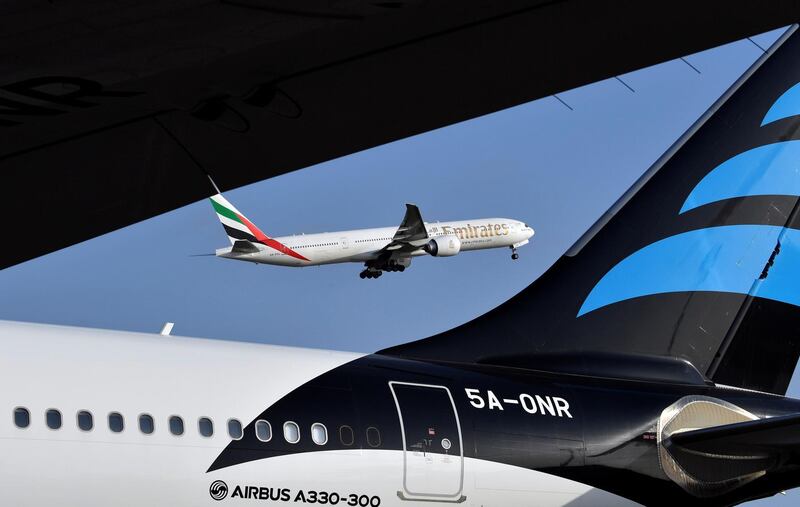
313	246
319	433
205	426
116	423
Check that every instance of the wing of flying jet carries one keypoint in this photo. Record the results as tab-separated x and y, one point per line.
411	234
111	111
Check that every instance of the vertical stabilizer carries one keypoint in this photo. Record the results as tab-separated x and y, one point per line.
699	260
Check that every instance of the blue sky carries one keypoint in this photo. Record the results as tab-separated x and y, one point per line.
555	168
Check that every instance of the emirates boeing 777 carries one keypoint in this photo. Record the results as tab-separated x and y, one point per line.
381	249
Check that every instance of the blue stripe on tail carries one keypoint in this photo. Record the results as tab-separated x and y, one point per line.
773	169
786	106
719	259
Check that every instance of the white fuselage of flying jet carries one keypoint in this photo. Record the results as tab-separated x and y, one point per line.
364	245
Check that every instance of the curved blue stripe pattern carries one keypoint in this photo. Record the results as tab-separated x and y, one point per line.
720	259
773	169
786	106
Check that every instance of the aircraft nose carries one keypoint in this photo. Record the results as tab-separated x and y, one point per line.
528	231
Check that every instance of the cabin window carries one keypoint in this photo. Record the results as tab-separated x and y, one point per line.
373	437
22	418
53	419
234	429
176	425
263	430
291	432
115	422
85	420
146	424
346	435
319	433
205	426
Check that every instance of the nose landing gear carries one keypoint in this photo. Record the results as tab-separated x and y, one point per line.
514	254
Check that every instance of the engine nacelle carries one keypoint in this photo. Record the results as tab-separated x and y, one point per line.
443	246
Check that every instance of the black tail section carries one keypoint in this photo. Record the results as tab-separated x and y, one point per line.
700	260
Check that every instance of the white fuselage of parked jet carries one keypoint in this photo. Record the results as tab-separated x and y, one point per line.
89	418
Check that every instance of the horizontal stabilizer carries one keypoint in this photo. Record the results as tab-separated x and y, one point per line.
242	246
710	447
773	436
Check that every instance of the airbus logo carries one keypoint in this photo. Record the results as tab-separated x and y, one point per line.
218	490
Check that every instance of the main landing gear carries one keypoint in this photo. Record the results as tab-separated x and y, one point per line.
370	273
375	271
514	254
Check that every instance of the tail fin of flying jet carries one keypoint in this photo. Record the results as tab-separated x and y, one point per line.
242	233
236	225
699	260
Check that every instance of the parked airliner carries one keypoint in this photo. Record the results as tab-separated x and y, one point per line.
380	249
648	365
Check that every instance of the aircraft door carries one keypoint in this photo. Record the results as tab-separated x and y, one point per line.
344	243
433	455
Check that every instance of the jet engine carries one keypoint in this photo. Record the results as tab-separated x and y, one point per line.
443	246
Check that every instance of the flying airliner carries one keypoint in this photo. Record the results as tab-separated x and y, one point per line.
648	365
380	249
